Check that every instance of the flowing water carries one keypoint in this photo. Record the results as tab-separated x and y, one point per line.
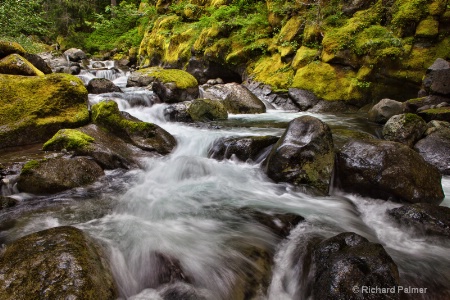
189	207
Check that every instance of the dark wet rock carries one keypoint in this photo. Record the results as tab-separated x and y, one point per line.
270	98
171	93
437	79
74	70
324	106
384	110
177	112
303	155
387	170
413	105
349	260
101	86
184	291
203	70
15	64
436	113
202	110
435	149
57	174
435	125
146	136
98	65
404	128
38	62
53	102
243	148
165	269
75	55
7	202
58	263
303	99
349	7
343	136
426	218
235	97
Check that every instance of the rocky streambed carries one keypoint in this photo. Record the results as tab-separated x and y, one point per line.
162	189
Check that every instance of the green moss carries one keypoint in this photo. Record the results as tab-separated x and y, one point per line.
328	82
7	48
17	65
182	79
69	139
291	29
437	7
407	12
427	28
304	56
271	70
378	42
29	166
207	110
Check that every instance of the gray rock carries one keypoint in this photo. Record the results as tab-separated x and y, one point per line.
101	86
38	62
304	99
437	79
177	112
404	128
74	54
423	103
170	93
387	170
435	149
384	110
303	155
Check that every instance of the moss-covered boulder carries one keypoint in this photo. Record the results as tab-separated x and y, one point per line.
304	155
7	48
171	85
236	98
387	170
32	109
207	110
243	148
424	218
15	64
437	113
69	139
423	103
404	128
57	263
146	136
435	149
57	174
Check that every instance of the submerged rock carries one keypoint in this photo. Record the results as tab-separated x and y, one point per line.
387	170
426	218
146	136
348	260
57	263
53	102
57	174
101	86
303	155
435	149
7	202
404	128
384	110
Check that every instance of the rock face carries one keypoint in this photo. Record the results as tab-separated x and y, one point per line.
57	174
404	128
426	218
243	148
75	55
437	79
58	263
53	102
207	110
303	155
146	136
387	170
236	98
384	110
15	64
304	99
348	260
101	86
435	149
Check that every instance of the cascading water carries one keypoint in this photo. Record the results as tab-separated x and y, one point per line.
191	209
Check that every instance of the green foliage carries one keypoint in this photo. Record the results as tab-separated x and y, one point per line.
28	43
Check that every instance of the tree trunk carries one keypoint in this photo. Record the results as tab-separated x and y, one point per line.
113	2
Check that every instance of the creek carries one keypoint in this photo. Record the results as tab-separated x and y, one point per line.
189	207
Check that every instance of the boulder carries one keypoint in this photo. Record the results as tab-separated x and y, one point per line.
108	150
303	99
404	128
75	55
270	98
413	105
437	79
437	113
57	263
177	112
425	218
435	125
7	48
202	110
52	102
387	170
57	174
236	98
435	149
348	260
342	136
15	64
303	155
384	110
146	136
243	148
38	62
101	86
